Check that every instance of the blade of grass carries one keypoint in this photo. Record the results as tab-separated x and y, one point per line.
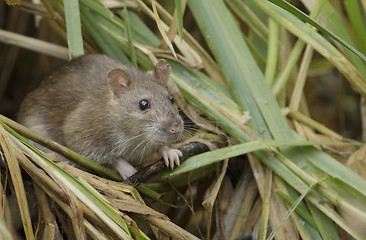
73	26
161	28
265	209
4	232
324	224
17	180
284	75
272	55
211	157
34	44
178	8
301	78
129	37
353	11
312	123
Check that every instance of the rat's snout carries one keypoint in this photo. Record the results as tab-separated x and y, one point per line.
170	129
175	128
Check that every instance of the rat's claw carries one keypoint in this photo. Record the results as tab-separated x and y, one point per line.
170	156
164	154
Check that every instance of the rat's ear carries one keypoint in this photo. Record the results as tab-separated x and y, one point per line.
118	81
162	72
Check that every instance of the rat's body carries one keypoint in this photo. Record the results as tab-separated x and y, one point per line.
106	112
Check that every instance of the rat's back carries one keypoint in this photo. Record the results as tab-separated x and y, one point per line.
84	79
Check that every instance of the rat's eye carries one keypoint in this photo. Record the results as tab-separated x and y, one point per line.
171	99
144	104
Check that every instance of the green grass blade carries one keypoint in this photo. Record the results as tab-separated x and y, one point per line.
129	36
99	8
178	7
272	55
325	225
211	157
353	11
73	26
306	18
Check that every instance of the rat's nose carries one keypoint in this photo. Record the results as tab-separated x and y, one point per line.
174	128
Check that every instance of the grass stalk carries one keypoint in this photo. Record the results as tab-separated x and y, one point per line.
301	78
17	181
312	123
266	206
272	55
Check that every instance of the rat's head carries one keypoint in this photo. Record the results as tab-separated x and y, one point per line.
144	108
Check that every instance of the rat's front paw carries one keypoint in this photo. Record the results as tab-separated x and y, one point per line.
124	169
170	156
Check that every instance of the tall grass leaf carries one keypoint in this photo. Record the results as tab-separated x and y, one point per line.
178	7
17	180
161	28
4	232
99	8
213	156
73	26
129	37
353	12
306	18
323	222
272	55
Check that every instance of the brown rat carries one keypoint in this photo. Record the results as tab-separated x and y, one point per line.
107	112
